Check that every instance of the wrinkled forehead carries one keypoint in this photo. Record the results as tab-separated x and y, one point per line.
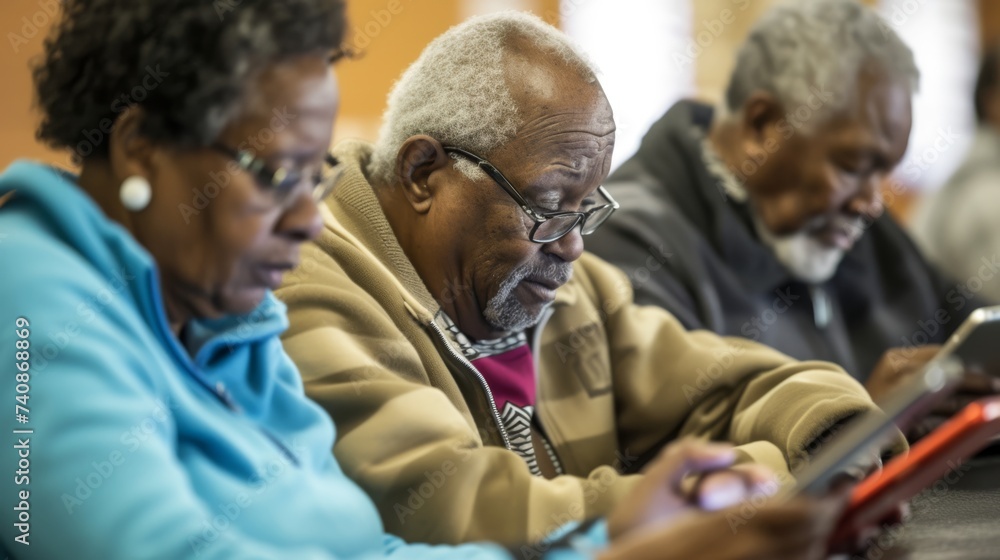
562	155
566	123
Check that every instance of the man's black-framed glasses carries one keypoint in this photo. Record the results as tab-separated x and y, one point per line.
281	182
549	226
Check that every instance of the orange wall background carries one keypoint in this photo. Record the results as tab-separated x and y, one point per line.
390	42
23	25
388	33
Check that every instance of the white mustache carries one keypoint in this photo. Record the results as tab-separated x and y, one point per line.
557	272
852	225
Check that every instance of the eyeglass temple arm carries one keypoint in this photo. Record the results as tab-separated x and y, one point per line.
498	177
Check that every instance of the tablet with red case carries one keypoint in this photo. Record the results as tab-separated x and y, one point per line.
930	459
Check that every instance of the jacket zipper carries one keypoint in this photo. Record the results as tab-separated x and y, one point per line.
194	370
536	339
482	381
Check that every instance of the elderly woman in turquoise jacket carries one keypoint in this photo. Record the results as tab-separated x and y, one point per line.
155	412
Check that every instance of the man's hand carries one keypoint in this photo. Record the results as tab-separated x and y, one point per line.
799	529
694	503
899	364
895	367
687	475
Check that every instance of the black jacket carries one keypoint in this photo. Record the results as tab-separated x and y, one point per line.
692	250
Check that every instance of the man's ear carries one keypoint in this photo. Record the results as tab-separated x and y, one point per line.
417	158
761	114
129	151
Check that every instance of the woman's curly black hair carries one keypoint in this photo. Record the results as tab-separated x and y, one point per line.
187	63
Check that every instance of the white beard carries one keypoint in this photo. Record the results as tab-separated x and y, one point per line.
806	258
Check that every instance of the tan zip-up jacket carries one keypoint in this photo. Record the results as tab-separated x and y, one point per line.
417	428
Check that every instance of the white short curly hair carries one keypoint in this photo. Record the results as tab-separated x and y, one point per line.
457	93
804	44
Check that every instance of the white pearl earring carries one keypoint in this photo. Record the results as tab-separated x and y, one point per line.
135	193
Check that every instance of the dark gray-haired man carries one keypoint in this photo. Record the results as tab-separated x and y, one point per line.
764	218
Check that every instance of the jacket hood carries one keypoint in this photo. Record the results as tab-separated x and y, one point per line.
72	216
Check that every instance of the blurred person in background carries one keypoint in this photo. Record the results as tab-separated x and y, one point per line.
958	226
763	218
161	417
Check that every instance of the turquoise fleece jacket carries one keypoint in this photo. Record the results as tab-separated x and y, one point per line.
121	442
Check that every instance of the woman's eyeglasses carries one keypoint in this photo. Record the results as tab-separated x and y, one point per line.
281	182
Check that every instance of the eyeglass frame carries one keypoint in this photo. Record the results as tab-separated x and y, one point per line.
273	179
538	217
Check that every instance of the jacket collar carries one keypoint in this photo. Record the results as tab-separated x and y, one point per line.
76	220
354	211
701	195
672	152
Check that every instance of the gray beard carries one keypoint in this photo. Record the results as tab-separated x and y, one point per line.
805	258
504	312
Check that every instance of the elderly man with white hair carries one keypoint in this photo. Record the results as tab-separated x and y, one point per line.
488	379
763	218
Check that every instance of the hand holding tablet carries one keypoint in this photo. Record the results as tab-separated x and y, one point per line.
975	347
930	459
